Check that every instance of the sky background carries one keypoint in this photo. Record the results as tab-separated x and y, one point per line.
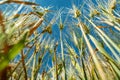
58	3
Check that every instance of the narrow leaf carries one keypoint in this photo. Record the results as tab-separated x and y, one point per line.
12	53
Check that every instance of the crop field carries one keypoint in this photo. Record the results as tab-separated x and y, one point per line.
80	42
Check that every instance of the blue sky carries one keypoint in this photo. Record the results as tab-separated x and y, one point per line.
55	3
58	3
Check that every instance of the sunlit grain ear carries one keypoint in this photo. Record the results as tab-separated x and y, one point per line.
61	25
112	4
76	11
75	39
94	13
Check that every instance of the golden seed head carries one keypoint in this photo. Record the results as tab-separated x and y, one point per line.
61	26
112	4
46	46
94	13
77	13
49	30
